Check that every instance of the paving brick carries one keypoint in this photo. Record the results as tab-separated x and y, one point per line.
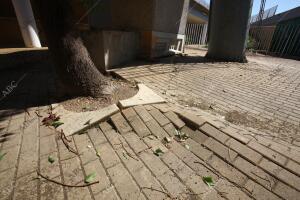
46	131
135	142
154	143
159	117
170	129
114	138
28	163
101	176
162	107
110	194
198	150
26	187
10	158
229	191
64	153
191	119
146	180
281	173
133	164
255	172
276	157
82	142
235	134
220	149
198	136
12	141
96	136
51	190
124	184
259	192
173	185
120	123
137	124
107	155
143	113
52	170
177	166
244	150
175	119
212	195
201	168
227	171
73	174
285	150
47	144
286	191
105	126
154	163
156	129
88	155
293	166
215	133
6	183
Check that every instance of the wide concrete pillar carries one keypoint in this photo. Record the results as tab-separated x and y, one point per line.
228	29
27	23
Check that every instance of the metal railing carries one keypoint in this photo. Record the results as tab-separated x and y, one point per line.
280	40
196	34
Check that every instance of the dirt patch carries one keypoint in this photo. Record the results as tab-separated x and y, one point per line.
124	90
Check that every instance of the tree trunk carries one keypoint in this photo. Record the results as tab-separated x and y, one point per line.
76	71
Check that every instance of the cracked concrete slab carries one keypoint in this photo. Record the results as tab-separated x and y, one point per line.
144	96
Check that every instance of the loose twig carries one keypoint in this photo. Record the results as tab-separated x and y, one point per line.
37	114
153	189
129	154
64	135
66	144
63	184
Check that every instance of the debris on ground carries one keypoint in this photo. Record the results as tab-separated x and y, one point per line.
208	180
2	155
51	159
158	152
180	136
89	178
52	120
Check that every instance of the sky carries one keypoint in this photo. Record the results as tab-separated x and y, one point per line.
283	5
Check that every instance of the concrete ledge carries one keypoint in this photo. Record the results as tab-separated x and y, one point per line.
19	57
144	96
78	122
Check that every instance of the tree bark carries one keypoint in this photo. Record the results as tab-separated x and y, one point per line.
76	71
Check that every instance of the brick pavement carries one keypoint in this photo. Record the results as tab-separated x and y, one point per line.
241	166
263	94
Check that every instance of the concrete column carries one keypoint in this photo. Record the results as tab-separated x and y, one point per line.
228	29
27	23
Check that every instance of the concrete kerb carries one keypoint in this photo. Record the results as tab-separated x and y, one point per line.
144	96
79	122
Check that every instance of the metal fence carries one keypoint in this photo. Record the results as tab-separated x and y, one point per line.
196	34
281	40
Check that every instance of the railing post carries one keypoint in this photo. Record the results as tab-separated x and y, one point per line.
27	23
